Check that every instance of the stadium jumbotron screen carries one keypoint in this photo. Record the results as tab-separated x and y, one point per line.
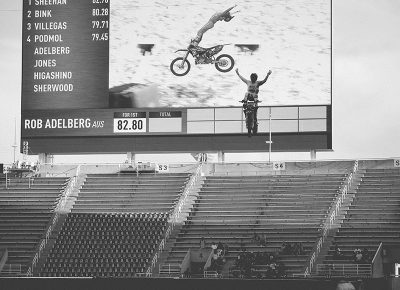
139	75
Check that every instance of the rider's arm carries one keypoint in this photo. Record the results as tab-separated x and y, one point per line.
242	78
264	80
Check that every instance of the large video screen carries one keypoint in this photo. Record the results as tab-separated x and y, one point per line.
144	67
290	38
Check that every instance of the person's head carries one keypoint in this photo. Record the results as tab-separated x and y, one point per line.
253	77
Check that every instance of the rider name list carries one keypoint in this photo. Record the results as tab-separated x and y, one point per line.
65	56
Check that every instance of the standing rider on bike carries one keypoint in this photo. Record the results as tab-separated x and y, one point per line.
252	89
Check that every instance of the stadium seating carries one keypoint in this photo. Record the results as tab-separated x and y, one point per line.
118	220
115	225
106	193
286	208
374	217
26	207
105	245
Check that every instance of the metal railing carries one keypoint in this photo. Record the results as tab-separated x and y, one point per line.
332	217
43	244
11	270
31	181
377	263
169	269
174	217
67	191
344	270
378	251
211	274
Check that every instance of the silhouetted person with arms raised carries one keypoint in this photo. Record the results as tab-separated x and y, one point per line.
252	88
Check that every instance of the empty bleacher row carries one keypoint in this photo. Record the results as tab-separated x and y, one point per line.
26	208
107	193
115	225
284	208
374	217
105	245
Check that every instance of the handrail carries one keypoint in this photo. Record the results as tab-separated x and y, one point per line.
341	270
67	191
43	244
3	258
376	253
30	181
211	274
377	263
12	269
175	216
332	217
169	268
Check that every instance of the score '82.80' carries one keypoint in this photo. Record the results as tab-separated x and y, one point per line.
129	125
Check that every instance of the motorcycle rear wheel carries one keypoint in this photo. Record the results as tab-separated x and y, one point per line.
176	67
224	63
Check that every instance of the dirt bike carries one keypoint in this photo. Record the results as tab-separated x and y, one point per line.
250	108
180	66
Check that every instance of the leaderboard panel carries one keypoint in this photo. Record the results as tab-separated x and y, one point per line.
65	54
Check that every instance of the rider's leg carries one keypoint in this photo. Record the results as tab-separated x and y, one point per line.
255	110
244	104
255	115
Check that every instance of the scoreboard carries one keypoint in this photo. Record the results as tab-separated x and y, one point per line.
96	79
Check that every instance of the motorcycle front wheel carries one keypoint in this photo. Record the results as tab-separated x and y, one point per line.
249	123
177	68
224	63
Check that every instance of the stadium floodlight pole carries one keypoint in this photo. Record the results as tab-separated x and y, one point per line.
15	138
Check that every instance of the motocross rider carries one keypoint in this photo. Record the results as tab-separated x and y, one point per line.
219	16
252	89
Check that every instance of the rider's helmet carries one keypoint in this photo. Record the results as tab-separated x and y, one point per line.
228	18
253	77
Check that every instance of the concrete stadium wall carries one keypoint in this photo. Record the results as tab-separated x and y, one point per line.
184	284
69	170
316	167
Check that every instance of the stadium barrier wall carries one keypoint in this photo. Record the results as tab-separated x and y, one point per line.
185	284
68	170
234	168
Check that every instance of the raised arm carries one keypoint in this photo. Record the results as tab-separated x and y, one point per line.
242	78
266	78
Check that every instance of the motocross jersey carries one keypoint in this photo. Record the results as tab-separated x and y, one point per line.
252	90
